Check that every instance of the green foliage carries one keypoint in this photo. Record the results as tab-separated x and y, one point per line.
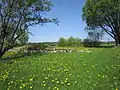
103	14
97	69
94	37
70	42
90	43
62	42
36	46
15	18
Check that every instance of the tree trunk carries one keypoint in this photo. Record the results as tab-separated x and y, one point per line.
117	41
1	54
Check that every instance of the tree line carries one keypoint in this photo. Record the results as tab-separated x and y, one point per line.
71	42
16	16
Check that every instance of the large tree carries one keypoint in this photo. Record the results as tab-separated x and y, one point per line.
15	18
103	14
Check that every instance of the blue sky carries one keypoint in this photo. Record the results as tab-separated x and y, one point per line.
69	13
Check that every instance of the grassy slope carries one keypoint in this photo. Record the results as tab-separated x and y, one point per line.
97	70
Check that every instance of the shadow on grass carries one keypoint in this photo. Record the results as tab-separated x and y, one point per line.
112	46
21	55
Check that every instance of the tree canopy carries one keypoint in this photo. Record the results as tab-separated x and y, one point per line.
105	15
15	18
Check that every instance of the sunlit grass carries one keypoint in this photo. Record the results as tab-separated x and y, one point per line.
95	70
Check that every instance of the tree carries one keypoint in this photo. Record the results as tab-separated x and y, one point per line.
103	14
62	42
71	41
94	37
15	18
95	34
78	42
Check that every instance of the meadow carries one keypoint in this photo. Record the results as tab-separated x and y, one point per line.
86	69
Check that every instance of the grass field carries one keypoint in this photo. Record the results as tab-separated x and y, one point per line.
91	69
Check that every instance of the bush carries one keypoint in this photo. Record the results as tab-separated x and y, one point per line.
70	42
36	46
90	43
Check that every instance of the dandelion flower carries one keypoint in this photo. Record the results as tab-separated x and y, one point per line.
68	84
43	81
31	79
49	87
57	82
44	85
20	87
31	87
53	80
62	82
57	89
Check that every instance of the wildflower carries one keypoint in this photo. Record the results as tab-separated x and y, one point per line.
66	78
44	85
49	87
57	89
43	81
23	85
98	75
20	87
31	79
103	76
53	80
68	84
48	69
62	82
88	71
116	89
31	87
93	66
75	81
57	82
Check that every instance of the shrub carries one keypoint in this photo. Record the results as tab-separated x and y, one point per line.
70	42
90	43
36	46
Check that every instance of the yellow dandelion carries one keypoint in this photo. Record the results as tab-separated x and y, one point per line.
57	82
68	84
49	87
65	81
44	85
20	87
49	69
31	79
43	81
93	66
66	78
62	82
57	89
53	80
31	87
46	77
98	75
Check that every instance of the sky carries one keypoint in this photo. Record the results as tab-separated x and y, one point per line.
69	13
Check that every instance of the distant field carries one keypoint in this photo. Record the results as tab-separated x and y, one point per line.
91	69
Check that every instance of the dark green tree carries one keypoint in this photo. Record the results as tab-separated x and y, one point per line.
71	41
15	18
62	42
103	14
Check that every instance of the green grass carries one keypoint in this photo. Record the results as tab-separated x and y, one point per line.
95	70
